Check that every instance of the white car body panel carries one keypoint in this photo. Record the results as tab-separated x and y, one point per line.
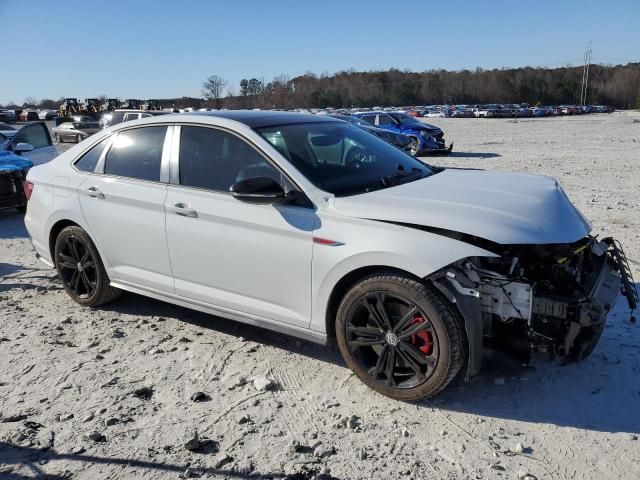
128	226
258	263
252	258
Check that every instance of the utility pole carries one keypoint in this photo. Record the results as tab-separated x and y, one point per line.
585	74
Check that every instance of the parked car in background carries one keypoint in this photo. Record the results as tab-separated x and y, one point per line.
427	139
5	126
484	111
538	111
126	115
436	113
32	142
13	172
8	116
28	116
398	139
312	227
76	131
462	113
47	114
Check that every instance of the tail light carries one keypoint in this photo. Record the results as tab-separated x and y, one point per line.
27	187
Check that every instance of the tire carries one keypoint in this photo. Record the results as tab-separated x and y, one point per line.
78	138
415	146
440	348
58	138
89	286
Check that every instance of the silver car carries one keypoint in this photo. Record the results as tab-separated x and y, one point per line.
76	131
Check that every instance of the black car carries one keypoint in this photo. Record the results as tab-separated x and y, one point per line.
399	140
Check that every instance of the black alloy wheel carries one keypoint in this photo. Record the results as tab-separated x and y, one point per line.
77	267
81	269
400	336
392	339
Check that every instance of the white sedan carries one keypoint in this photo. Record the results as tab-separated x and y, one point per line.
311	226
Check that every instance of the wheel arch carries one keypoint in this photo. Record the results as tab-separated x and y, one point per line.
345	283
55	230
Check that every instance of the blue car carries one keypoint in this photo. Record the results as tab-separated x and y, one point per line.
427	139
13	172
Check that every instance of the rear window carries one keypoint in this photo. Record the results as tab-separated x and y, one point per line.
136	154
89	160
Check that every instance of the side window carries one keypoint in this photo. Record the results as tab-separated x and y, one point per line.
36	135
89	160
131	116
369	118
215	160
136	153
385	120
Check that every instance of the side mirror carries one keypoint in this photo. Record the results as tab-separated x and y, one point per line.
22	147
258	190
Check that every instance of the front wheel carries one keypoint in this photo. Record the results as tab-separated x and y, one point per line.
78	138
414	147
81	270
400	337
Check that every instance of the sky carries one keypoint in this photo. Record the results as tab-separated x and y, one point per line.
161	49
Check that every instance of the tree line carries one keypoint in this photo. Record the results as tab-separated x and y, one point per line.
618	86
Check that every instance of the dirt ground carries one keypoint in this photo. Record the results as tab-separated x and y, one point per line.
107	393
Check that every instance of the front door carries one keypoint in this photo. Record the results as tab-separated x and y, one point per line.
37	135
246	258
388	123
123	205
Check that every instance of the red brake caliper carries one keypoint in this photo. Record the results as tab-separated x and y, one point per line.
422	340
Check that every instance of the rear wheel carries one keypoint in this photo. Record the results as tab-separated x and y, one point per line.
81	270
58	138
78	138
400	337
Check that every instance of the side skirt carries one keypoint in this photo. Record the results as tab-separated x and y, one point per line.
299	332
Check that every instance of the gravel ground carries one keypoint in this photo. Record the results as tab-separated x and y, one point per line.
108	393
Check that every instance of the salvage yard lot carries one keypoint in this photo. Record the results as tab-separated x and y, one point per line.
106	393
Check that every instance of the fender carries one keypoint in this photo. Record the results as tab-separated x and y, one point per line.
381	245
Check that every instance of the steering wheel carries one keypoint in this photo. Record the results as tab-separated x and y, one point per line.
356	157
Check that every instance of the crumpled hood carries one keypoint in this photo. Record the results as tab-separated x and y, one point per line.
426	127
506	208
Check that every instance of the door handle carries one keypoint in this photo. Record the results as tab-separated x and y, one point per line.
182	209
95	192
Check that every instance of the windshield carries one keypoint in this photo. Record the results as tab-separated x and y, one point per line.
343	159
404	118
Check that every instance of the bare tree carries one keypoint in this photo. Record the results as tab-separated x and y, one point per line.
30	102
213	89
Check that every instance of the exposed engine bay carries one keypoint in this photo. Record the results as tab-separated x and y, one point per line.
551	299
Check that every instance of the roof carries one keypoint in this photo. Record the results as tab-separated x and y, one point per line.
266	118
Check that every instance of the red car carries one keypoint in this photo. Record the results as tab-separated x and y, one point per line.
28	116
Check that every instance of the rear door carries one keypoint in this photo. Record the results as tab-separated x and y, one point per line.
123	205
247	258
36	134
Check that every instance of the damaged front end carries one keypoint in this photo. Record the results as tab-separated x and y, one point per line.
551	299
